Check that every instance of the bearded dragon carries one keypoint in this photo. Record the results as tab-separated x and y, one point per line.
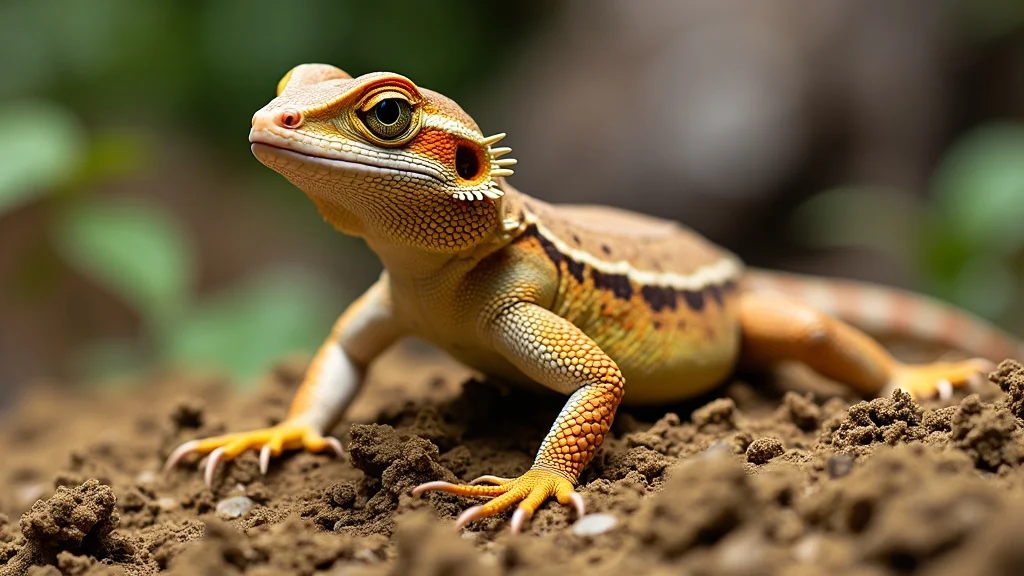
599	304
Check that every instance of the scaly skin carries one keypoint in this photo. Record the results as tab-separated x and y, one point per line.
580	299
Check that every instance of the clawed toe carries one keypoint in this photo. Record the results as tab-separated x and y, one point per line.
526	492
470	515
489	479
265	459
270	442
941	378
211	465
179	453
519	518
576	499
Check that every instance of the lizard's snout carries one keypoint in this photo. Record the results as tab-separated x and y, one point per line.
289	119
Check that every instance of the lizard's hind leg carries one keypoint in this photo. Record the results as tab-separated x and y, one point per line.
776	328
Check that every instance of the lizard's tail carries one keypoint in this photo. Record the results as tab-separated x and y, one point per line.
891	311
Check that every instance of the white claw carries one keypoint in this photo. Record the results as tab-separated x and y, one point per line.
499	152
489	479
469	515
519	518
479	195
335	445
211	465
506	162
576	499
264	459
945	389
501	172
179	453
435	485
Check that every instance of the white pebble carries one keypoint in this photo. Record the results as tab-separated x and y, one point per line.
594	524
233	507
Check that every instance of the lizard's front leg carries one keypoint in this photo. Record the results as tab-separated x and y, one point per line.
556	353
334	377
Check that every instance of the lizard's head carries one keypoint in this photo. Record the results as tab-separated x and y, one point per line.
383	158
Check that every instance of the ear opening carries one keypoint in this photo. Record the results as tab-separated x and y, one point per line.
306	74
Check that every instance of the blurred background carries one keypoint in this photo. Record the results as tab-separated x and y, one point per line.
873	139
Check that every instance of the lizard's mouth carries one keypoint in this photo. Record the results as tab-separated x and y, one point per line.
271	150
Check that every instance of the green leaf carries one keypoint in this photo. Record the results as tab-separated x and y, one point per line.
41	146
245	331
135	250
980	188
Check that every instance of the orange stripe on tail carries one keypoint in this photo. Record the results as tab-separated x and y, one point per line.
884	310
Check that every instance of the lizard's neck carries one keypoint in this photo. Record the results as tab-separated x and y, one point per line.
402	261
413	262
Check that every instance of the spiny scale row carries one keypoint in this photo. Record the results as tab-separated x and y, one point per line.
498	168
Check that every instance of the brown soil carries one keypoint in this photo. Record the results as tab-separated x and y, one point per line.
755	479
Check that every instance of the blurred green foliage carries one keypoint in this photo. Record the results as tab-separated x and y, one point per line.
137	251
89	89
140	253
209	64
41	145
967	242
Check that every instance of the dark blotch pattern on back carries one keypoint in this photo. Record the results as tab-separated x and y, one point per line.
618	284
694	299
548	246
716	292
575	268
659	297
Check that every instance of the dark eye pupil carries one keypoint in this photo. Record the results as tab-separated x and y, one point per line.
466	163
387	111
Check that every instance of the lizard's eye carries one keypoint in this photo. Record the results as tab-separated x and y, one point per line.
389	118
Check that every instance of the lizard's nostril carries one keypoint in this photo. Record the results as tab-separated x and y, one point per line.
289	119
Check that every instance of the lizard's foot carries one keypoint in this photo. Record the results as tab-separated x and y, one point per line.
529	490
270	442
940	378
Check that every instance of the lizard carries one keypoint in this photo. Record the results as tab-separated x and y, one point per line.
596	303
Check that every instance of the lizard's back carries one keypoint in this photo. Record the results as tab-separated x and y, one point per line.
656	296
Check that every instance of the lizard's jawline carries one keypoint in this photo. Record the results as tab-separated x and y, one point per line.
338	164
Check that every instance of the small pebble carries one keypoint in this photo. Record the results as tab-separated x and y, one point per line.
594	524
233	507
167	503
146	477
839	465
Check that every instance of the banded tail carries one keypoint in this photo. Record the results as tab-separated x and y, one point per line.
884	310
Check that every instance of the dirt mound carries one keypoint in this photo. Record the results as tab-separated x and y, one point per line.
755	481
73	530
